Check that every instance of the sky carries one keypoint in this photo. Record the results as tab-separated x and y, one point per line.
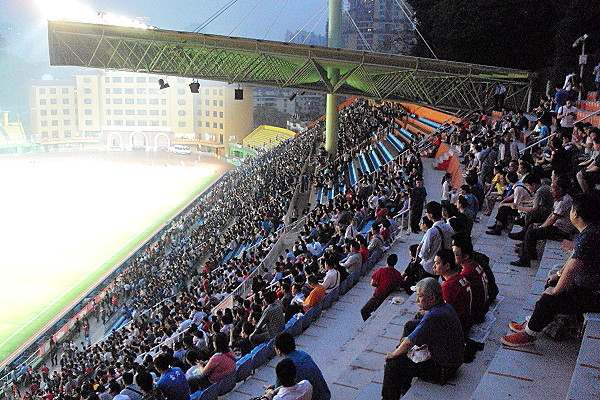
247	18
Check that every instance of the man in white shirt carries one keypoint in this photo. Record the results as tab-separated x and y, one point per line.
289	390
438	237
314	247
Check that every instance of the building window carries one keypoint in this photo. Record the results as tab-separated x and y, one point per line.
207	124
129	101
107	101
117	91
129	123
164	123
163	112
54	122
141	101
207	91
118	122
142	123
220	114
65	101
140	79
129	112
88	122
207	102
87	91
214	114
44	123
153	112
118	112
214	103
64	91
42	102
181	124
52	101
153	102
163	102
117	101
66	111
181	113
116	79
153	123
67	134
220	103
52	90
181	102
53	112
180	91
214	92
141	112
214	125
67	122
42	91
87	101
221	126
129	79
128	90
88	111
43	113
107	91
207	113
55	134
199	123
106	79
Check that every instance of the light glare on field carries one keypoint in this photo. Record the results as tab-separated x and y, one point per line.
71	10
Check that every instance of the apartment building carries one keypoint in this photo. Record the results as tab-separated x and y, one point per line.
118	110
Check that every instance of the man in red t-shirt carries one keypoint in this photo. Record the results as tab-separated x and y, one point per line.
456	289
384	280
474	273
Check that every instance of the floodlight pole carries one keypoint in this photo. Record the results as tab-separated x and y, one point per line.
334	39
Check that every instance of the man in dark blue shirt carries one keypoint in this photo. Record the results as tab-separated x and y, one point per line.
440	330
576	288
172	381
306	368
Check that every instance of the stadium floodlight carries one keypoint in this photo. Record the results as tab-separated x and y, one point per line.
162	84
194	86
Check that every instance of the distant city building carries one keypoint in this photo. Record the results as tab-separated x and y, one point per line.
304	106
382	24
305	37
125	110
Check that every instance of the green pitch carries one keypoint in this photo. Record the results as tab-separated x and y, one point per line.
65	224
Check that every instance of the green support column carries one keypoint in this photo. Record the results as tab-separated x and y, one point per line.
334	39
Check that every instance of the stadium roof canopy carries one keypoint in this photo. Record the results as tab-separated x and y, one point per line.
439	83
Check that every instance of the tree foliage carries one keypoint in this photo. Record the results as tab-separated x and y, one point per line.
532	35
270	116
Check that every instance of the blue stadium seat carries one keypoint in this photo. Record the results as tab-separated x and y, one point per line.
330	298
260	355
307	318
210	393
226	384
243	368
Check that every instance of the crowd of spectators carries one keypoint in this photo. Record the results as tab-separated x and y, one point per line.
170	294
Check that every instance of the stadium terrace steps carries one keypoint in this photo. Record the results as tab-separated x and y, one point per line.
533	371
588	363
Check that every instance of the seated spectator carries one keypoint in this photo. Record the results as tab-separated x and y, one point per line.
354	260
440	330
131	389
456	290
306	368
271	322
221	364
520	196
285	370
172	382
414	271
317	294
590	176
540	207
377	241
475	275
144	381
385	280
575	289
556	227
332	276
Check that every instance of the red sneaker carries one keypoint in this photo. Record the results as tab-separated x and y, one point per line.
516	326
518	339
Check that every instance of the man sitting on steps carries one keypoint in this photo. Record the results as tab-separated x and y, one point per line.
576	288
